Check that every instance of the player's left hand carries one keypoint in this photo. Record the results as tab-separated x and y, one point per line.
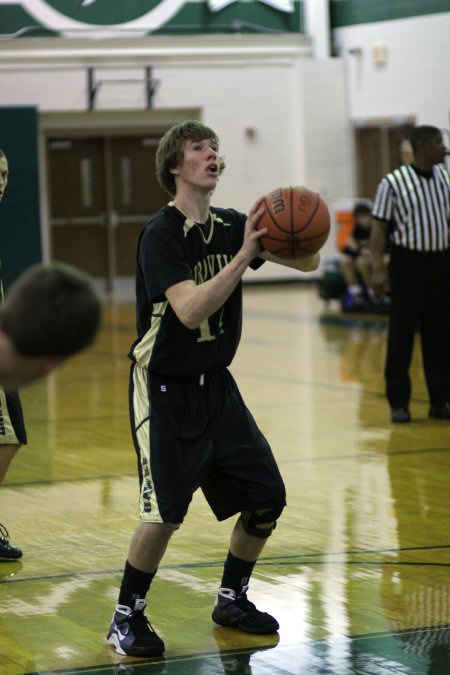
251	234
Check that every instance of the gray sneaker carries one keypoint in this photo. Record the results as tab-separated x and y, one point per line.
131	633
238	612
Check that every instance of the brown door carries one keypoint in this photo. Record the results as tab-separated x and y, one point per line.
135	196
377	153
78	203
101	192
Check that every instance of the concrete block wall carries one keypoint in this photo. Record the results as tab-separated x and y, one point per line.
414	80
279	113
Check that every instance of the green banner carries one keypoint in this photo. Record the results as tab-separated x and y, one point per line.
31	18
353	12
20	229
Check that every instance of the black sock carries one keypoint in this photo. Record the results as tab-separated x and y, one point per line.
236	573
135	584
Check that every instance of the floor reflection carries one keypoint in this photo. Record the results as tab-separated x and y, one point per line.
356	572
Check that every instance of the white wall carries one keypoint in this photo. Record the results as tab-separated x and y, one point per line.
415	81
327	140
245	96
301	109
280	114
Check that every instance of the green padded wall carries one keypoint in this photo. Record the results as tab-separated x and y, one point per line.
20	231
352	12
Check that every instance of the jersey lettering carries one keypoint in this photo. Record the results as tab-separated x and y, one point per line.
208	267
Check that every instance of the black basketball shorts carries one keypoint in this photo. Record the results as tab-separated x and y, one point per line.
12	425
197	432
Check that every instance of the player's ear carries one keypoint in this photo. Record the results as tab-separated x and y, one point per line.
175	170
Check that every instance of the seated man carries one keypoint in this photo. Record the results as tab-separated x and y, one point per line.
356	262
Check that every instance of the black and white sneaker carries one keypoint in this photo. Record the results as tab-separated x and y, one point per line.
238	612
131	633
7	551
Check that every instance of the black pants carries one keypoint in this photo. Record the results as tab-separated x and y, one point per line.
420	299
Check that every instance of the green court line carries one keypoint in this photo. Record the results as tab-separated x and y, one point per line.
273	561
341	320
189	658
359	551
300	460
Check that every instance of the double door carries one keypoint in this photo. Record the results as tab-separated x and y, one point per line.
102	190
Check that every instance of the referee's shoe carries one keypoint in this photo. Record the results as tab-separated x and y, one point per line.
440	412
131	633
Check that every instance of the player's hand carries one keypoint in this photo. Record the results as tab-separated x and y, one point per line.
251	234
307	262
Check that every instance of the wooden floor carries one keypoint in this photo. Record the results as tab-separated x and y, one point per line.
357	571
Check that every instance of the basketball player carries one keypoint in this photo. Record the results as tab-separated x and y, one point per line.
12	427
50	313
189	423
41	323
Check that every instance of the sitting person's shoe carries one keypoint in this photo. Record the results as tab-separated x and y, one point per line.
440	412
236	611
381	304
354	302
131	633
7	551
400	415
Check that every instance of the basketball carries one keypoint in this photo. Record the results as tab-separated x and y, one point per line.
297	221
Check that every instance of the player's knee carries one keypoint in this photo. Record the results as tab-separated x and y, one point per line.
261	523
164	529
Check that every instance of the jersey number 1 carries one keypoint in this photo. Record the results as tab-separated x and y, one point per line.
205	329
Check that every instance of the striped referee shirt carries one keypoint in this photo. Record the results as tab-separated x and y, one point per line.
417	207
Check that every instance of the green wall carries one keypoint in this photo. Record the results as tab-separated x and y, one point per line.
251	16
351	12
20	232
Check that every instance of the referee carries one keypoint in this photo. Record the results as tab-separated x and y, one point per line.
412	209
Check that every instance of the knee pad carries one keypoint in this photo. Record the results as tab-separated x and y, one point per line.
252	521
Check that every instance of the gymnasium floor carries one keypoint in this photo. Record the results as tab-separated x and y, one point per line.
357	572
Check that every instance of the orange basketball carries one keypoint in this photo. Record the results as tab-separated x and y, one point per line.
297	221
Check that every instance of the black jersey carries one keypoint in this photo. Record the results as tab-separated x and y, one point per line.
361	235
173	248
